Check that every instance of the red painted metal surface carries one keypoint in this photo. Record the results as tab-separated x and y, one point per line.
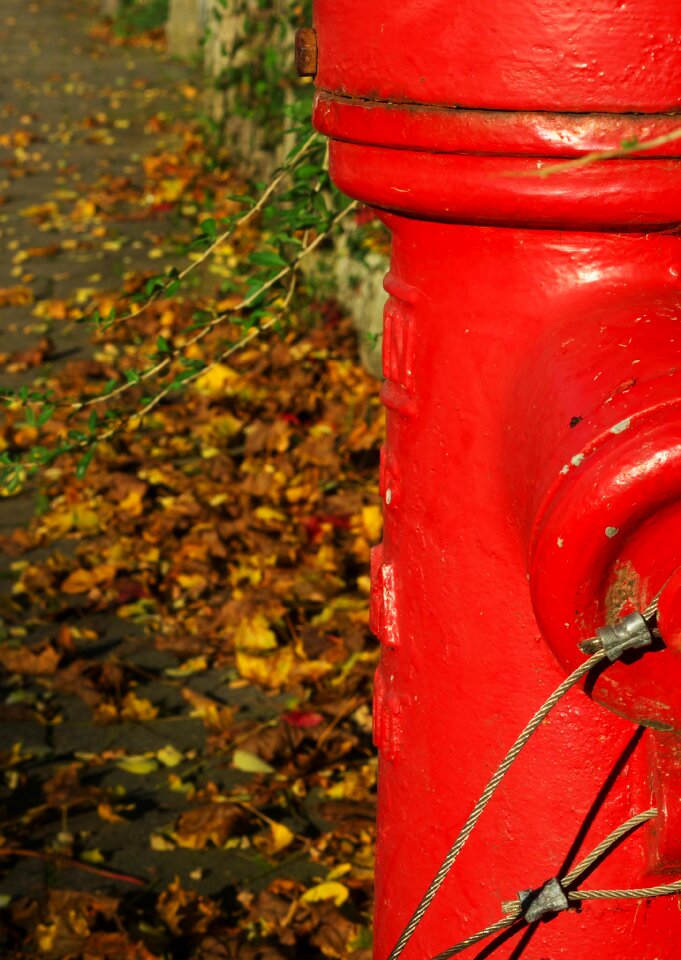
532	469
620	56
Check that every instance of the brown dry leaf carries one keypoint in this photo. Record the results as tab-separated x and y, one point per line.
355	784
28	662
115	946
106	812
211	824
216	717
41	211
80	581
184	911
69	918
334	932
15	296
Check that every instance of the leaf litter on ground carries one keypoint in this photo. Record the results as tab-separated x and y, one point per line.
185	659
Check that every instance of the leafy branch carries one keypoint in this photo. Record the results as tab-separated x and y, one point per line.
14	471
626	148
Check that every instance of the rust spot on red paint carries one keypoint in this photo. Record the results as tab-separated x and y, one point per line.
624	594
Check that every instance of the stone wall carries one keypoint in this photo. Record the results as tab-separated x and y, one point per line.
186	26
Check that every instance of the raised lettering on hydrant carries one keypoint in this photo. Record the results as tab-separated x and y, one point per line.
532	468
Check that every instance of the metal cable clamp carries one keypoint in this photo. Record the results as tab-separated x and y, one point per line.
630	633
548	899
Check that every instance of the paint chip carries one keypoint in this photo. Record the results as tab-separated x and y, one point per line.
611	532
565	468
577	459
388	496
621	426
560	541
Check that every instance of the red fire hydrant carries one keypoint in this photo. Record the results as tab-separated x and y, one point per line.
532	470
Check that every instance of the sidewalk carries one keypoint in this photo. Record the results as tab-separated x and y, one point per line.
185	662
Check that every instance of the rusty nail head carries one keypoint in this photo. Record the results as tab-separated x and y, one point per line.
306	52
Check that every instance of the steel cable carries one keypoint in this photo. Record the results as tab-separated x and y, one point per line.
514	908
487	795
596	648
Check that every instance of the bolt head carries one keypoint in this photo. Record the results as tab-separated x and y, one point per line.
306	52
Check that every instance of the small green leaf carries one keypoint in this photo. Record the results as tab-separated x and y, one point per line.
85	461
267	258
250	762
209	228
139	764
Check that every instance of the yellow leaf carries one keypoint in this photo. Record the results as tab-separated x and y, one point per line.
171	189
340	871
192	581
355	785
273	670
215	381
329	890
189	667
372	521
80	581
92	856
281	837
138	708
85	520
169	756
312	670
253	635
132	503
106	812
158	842
277	838
267	514
139	764
221	428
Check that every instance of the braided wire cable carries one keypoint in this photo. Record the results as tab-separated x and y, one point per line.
513	908
604	846
638	893
489	931
581	671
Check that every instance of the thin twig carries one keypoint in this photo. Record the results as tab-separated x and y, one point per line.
252	334
137	416
290	165
595	156
62	862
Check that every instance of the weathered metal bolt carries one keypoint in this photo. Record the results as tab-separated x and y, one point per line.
306	52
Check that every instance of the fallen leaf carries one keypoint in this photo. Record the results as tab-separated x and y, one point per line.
329	890
250	762
139	764
15	296
25	661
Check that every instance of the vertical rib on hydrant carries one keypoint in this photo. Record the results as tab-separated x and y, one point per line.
532	469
